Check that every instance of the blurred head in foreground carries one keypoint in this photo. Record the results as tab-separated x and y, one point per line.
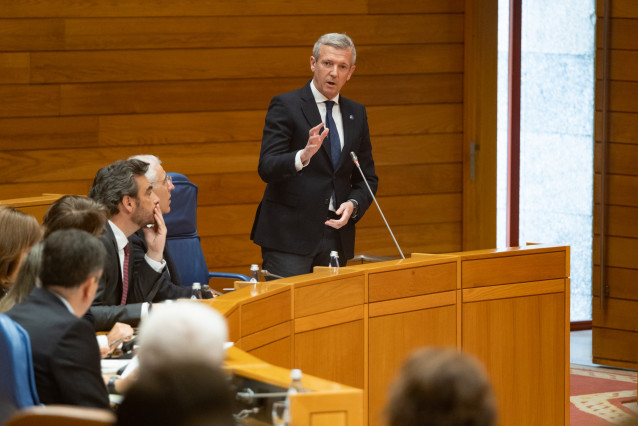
441	387
182	331
179	394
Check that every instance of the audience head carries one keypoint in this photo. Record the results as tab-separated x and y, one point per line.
183	330
75	211
441	387
126	192
72	263
182	393
19	232
161	181
27	279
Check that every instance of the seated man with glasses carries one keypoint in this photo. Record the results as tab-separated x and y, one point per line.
169	285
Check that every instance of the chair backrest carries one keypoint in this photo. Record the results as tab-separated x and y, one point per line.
182	239
62	415
17	381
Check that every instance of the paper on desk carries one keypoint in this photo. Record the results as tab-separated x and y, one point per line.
110	366
132	366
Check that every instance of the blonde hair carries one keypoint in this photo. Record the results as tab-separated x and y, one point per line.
18	233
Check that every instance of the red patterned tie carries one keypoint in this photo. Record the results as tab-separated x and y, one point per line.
125	277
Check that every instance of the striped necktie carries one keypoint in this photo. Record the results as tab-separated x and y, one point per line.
125	275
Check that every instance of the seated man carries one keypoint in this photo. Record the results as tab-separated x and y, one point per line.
171	285
441	387
126	290
66	357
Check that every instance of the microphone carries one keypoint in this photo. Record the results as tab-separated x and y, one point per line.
265	273
356	163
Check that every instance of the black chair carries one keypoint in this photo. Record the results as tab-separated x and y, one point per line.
183	242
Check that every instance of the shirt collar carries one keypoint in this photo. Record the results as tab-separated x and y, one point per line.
120	237
66	303
319	97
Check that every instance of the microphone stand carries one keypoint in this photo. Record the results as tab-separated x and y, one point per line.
356	163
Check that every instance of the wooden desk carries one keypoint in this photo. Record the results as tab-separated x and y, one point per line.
510	308
327	403
35	206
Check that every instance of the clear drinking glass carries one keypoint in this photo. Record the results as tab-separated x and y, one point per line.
279	413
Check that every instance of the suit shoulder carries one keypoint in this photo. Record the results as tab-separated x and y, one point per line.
291	96
351	103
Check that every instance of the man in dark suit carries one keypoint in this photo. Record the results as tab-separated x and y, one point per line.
125	293
66	357
170	286
313	196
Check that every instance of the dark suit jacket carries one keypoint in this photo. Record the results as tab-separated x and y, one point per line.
66	357
143	285
168	286
294	207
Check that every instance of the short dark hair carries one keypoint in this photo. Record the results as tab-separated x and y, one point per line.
115	181
75	211
69	257
441	387
182	393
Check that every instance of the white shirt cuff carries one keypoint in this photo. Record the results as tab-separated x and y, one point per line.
298	164
157	266
144	312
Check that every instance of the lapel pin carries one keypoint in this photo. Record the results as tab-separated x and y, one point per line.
351	117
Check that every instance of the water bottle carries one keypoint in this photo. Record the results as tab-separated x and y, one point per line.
334	262
294	388
254	273
197	291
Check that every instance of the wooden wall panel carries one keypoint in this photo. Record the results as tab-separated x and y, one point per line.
28	34
615	328
84	84
14	68
143	8
267	31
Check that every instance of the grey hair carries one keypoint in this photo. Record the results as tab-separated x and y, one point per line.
153	161
182	331
336	40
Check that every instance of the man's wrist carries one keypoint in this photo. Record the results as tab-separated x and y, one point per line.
355	210
111	385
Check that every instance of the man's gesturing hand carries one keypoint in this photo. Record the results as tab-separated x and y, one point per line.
315	139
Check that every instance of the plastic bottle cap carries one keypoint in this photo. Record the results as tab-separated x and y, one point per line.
295	374
197	285
254	267
334	253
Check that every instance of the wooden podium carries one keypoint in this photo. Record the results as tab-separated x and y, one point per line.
509	308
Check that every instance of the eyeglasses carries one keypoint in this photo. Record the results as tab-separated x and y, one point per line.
168	180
